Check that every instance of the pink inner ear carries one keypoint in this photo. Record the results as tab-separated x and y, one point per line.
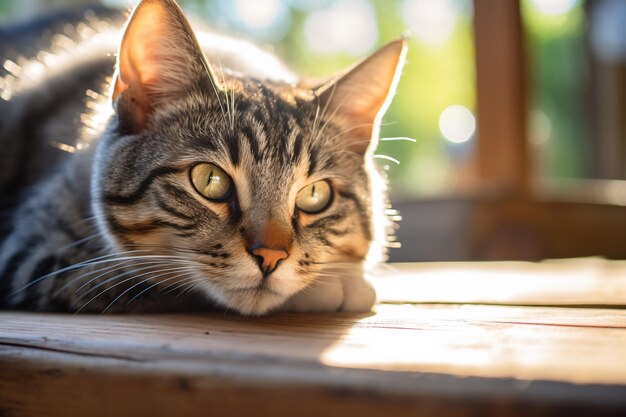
139	106
138	60
155	60
362	95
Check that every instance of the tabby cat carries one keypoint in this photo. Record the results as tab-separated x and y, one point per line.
207	175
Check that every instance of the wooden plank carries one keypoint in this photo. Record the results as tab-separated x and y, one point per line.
565	282
568	345
405	359
60	384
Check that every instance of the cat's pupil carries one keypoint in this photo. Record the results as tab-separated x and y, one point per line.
210	181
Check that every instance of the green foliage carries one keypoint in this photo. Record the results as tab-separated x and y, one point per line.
558	71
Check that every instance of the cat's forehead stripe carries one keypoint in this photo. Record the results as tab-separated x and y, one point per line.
250	137
268	134
232	143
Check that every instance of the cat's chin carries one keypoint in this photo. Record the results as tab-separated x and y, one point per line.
252	302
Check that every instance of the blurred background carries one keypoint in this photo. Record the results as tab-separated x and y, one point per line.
516	108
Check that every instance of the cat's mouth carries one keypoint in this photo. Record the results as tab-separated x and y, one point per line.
262	287
246	289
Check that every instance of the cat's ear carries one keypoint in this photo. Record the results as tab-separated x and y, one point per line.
158	59
361	96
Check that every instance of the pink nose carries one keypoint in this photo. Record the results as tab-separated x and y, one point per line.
269	259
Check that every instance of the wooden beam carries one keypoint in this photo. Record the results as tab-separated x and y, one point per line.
533	230
502	157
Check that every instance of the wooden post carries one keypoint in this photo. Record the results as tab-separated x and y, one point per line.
502	158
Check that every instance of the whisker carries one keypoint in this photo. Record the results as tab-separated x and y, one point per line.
176	286
142	282
191	287
333	114
388	158
343	132
400	138
78	242
137	260
229	114
158	283
86	219
326	105
118	267
122	282
131	272
215	88
168	247
79	265
81	276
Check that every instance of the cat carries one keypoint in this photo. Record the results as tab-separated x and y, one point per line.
206	175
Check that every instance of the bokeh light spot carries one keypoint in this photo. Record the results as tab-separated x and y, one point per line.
346	26
433	21
257	14
554	7
540	127
457	124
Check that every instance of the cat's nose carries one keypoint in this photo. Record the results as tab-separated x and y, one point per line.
269	244
269	259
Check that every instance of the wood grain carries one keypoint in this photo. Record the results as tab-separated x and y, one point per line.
406	358
565	282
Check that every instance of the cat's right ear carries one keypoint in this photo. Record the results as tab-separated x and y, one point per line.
361	96
159	58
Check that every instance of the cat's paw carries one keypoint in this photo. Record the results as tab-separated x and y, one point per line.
322	296
344	289
358	293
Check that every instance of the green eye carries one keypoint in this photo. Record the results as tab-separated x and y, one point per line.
315	197
211	181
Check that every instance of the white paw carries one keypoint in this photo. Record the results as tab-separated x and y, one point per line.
338	289
323	295
358	294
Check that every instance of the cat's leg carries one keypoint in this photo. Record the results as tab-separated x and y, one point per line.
338	289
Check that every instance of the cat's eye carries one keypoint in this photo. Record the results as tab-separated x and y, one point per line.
211	181
315	197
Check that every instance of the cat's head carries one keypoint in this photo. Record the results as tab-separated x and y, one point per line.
249	189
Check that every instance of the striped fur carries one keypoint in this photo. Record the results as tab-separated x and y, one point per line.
117	225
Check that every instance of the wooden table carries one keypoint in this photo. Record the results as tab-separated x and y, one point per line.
464	339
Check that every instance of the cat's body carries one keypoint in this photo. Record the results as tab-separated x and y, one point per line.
134	219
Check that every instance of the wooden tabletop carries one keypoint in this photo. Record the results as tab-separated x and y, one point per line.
461	339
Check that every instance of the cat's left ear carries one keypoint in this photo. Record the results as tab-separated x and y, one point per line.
158	60
360	97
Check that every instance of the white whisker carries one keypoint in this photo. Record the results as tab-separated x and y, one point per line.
132	272
159	283
388	158
163	272
400	138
